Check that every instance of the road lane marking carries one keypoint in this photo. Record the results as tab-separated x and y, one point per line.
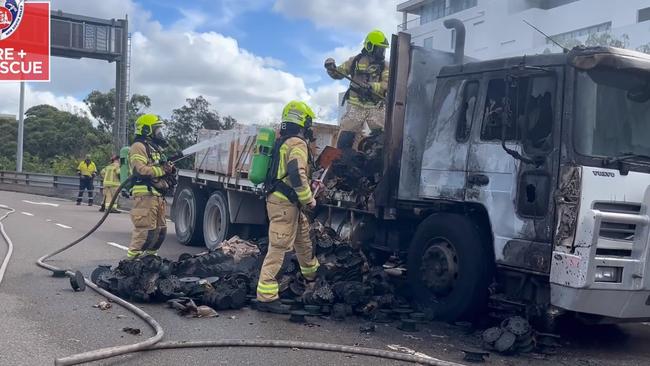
42	203
64	226
27	213
119	246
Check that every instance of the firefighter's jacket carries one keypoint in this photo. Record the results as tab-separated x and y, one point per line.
111	174
145	162
293	169
363	69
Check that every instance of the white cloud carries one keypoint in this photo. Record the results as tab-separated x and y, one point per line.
349	22
355	16
170	64
11	98
234	80
325	101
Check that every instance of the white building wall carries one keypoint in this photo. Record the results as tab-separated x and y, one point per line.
495	28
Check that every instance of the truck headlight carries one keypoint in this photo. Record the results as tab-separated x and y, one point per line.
608	274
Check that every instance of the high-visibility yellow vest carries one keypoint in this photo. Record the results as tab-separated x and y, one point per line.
87	169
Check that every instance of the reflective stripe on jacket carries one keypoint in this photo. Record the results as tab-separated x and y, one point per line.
111	174
295	149
146	168
366	72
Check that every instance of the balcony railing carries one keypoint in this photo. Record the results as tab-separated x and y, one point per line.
408	25
436	14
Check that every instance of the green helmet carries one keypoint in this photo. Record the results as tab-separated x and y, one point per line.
299	113
376	38
145	125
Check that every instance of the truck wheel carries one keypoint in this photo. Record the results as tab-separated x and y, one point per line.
189	204
449	267
216	220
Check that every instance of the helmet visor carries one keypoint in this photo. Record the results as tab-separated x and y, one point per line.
158	132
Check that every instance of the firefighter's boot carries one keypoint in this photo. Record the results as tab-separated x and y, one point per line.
275	307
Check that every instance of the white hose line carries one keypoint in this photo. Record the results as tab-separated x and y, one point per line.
152	343
10	245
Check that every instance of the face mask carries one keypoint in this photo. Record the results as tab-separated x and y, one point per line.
379	53
309	133
159	137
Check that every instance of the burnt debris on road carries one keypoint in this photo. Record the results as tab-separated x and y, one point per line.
226	278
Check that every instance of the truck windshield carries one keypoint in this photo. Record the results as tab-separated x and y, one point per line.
612	114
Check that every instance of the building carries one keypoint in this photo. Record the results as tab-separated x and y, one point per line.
496	28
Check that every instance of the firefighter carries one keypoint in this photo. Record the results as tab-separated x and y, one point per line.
111	176
369	70
289	192
149	187
87	170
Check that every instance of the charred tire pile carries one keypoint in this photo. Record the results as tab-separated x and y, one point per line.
226	278
153	279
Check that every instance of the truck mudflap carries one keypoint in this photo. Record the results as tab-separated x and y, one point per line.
602	270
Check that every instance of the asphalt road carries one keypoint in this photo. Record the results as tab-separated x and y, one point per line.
42	318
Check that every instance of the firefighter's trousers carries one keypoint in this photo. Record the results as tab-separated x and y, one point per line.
150	225
356	117
109	193
288	229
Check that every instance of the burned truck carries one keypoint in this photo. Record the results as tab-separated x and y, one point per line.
521	182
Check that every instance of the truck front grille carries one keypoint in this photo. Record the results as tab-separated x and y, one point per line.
616	238
617	231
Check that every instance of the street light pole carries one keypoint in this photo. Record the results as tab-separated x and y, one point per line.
21	126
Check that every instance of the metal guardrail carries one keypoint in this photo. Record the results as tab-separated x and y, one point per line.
40	180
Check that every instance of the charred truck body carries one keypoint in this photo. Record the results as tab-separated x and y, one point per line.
522	181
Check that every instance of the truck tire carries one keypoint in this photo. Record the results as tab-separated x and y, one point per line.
216	220
189	205
450	267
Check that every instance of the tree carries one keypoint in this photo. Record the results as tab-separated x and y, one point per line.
604	39
197	113
102	107
54	141
607	39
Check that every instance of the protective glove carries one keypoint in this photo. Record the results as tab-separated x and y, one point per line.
169	168
312	205
366	88
330	64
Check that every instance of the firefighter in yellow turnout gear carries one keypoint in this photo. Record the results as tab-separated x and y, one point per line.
289	191
370	73
149	187
111	175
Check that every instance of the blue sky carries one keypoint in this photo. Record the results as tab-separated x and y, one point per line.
246	57
297	43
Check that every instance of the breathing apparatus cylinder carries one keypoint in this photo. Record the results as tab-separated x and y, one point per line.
262	155
124	164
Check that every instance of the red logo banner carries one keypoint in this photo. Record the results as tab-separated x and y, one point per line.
24	41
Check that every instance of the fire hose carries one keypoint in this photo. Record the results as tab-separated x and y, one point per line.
153	343
10	245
